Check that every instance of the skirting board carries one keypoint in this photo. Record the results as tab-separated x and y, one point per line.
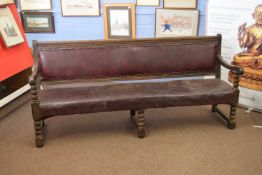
249	109
14	95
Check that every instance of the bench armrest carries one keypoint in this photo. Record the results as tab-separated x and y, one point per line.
236	69
33	76
34	82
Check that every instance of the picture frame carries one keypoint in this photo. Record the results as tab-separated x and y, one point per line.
176	22
119	21
5	2
35	5
147	2
80	7
9	30
38	22
180	4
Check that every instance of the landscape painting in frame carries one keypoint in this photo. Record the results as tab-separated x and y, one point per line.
184	4
80	7
9	30
119	21
148	2
38	22
35	4
4	2
171	23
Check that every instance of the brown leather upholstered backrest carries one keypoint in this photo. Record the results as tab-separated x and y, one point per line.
91	59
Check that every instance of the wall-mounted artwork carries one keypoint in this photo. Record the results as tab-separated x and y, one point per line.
119	21
80	7
4	2
35	4
9	30
38	22
148	2
171	22
185	4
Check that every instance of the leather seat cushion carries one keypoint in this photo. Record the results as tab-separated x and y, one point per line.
113	96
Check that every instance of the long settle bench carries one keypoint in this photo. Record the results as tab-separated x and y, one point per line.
77	77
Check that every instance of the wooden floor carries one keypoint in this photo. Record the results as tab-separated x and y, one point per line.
184	140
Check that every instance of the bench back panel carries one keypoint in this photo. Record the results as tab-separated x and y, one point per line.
127	58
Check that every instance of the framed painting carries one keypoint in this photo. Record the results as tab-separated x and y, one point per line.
171	22
80	7
35	5
119	21
38	22
4	2
148	2
9	30
181	4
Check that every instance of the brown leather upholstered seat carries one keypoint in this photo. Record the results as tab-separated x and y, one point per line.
135	95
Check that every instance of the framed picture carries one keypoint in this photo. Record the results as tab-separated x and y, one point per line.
9	30
184	4
148	2
171	22
80	7
38	22
4	2
119	21
35	4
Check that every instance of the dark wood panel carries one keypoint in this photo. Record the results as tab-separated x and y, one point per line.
14	83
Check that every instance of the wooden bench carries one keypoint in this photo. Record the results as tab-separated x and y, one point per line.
77	77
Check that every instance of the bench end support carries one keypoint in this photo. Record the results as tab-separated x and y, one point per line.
230	121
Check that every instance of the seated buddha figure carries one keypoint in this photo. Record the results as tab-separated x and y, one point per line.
250	40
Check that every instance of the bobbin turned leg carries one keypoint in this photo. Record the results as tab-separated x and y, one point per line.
138	121
140	124
231	124
38	125
213	108
39	136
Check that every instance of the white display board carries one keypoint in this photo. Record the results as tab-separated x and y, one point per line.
225	17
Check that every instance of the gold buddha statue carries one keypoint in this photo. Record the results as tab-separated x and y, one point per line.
250	40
